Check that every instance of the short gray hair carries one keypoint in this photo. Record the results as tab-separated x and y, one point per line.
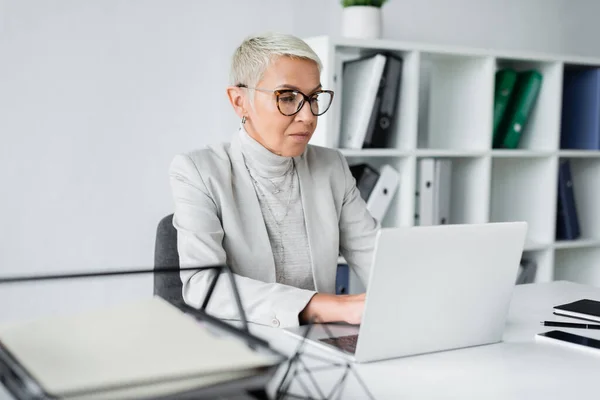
252	58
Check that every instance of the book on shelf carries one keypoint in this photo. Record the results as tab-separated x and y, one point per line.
586	309
433	196
517	112
370	87
377	187
567	220
580	117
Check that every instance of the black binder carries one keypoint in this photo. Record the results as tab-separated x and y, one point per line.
384	115
567	219
366	177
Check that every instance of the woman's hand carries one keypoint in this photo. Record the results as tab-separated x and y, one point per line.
324	308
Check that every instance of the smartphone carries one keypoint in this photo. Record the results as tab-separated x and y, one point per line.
569	339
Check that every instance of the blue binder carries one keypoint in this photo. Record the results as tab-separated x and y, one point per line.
342	279
580	124
567	221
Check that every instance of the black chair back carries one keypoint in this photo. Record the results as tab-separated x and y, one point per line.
167	284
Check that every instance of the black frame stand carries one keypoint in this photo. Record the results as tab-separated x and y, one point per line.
24	387
297	371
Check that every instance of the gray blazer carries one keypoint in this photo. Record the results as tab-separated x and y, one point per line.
219	220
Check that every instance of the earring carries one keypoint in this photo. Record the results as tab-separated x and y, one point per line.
243	120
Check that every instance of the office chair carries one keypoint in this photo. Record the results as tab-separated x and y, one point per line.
167	284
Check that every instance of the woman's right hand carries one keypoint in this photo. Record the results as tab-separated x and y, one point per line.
325	307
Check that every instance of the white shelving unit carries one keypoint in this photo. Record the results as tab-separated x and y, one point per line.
445	111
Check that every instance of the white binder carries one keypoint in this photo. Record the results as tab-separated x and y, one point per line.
361	80
434	192
383	192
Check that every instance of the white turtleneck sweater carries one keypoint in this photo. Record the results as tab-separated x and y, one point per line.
278	191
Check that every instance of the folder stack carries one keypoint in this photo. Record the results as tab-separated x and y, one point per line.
370	88
143	349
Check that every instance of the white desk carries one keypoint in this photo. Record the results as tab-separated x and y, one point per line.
517	368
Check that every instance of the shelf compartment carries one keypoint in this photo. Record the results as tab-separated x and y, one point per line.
469	189
455	102
544	264
585	174
524	189
404	127
542	128
578	265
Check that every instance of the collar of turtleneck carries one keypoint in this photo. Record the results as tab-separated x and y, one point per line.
262	161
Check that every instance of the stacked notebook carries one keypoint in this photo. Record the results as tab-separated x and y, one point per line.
578	335
370	91
585	309
146	349
515	97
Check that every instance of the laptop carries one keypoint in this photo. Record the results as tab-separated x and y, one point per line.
431	288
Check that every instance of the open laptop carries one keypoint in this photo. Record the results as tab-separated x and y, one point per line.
431	288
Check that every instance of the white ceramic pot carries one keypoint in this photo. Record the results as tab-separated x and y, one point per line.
362	22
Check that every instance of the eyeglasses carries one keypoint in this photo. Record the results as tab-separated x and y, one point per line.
290	101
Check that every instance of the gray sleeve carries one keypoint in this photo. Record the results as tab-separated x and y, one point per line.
358	228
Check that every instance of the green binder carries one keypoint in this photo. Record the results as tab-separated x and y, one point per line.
517	113
505	83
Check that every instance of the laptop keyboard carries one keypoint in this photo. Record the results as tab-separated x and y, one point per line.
345	343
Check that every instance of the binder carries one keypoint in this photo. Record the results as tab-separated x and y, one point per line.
503	89
518	111
434	192
377	187
443	176
379	133
567	220
527	271
142	349
342	279
383	192
361	82
580	118
366	178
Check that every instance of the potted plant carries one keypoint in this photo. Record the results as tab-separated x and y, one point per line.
362	18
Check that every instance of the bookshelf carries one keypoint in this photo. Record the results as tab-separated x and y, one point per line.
445	111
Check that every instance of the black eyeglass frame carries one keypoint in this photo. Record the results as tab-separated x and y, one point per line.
305	98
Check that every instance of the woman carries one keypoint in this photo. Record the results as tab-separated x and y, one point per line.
276	210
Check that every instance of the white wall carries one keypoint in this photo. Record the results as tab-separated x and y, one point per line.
553	26
97	96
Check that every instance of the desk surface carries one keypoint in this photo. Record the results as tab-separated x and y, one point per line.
517	368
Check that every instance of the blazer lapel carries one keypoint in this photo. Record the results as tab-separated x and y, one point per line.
321	234
251	214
